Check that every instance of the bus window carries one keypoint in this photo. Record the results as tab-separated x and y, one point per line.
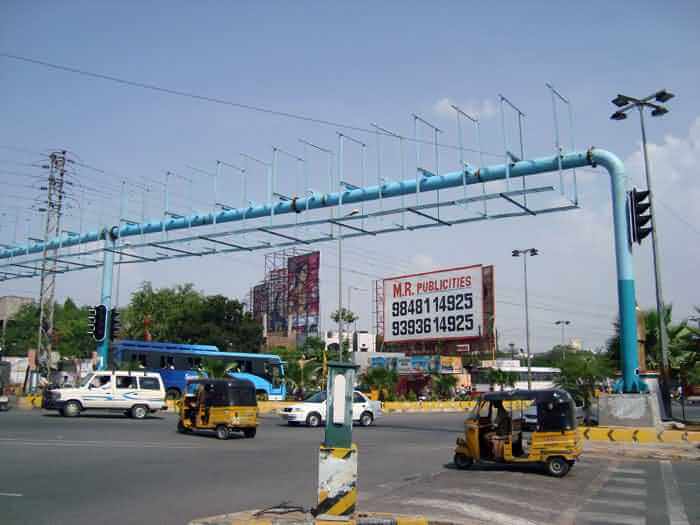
276	373
194	362
153	360
167	361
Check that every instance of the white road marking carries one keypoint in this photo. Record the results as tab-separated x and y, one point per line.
471	511
674	503
624	491
624	470
625	504
629	481
10	494
476	493
109	444
604	517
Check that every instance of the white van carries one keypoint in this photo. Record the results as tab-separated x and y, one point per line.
135	393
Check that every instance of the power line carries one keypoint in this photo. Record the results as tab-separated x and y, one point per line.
249	107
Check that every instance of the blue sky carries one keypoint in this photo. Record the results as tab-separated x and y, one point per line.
360	63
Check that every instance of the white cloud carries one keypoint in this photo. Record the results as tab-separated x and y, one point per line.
481	109
675	172
423	262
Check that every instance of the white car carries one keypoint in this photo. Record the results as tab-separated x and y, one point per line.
135	393
312	410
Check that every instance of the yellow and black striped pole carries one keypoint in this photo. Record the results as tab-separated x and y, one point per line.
337	458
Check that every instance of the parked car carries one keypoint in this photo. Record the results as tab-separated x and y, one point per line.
136	394
312	410
4	403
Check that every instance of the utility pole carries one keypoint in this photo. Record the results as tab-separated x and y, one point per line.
52	229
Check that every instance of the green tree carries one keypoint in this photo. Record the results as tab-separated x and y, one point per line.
183	315
70	337
349	317
502	378
382	379
551	357
581	373
215	368
682	345
444	385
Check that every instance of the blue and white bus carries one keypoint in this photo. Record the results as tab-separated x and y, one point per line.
177	362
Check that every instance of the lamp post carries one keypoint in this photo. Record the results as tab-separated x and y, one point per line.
340	284
563	324
350	288
653	101
517	253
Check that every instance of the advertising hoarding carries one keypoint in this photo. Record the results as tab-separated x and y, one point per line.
303	292
444	304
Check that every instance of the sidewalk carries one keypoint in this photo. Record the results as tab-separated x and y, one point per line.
657	451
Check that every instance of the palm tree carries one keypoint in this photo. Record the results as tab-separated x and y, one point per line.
381	379
301	375
215	368
444	384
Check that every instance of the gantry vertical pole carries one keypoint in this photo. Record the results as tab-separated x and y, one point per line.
625	272
106	298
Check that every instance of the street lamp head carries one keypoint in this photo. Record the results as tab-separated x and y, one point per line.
353	212
663	96
534	251
621	100
618	115
658	111
516	253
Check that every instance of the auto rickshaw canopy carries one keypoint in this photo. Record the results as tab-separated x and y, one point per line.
226	392
555	407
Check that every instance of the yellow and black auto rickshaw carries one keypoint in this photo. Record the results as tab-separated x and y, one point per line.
522	426
222	405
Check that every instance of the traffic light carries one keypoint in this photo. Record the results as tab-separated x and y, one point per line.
97	322
115	324
639	203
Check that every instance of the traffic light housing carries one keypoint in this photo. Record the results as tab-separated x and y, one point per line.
639	203
115	324
97	322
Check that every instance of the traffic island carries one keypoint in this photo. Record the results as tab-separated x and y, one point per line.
293	516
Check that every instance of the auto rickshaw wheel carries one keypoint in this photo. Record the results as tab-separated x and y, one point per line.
249	432
181	428
557	467
222	432
463	462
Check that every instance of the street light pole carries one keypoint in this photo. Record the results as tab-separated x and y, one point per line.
660	309
527	326
340	284
563	324
525	253
627	103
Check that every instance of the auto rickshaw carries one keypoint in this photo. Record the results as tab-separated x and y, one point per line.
222	405
496	430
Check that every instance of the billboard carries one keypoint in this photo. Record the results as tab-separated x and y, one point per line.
303	292
444	304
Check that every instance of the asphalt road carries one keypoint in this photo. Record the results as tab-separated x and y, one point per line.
112	470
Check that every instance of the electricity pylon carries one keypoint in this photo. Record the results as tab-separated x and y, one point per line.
54	201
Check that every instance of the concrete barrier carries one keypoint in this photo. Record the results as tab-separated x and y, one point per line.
642	435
